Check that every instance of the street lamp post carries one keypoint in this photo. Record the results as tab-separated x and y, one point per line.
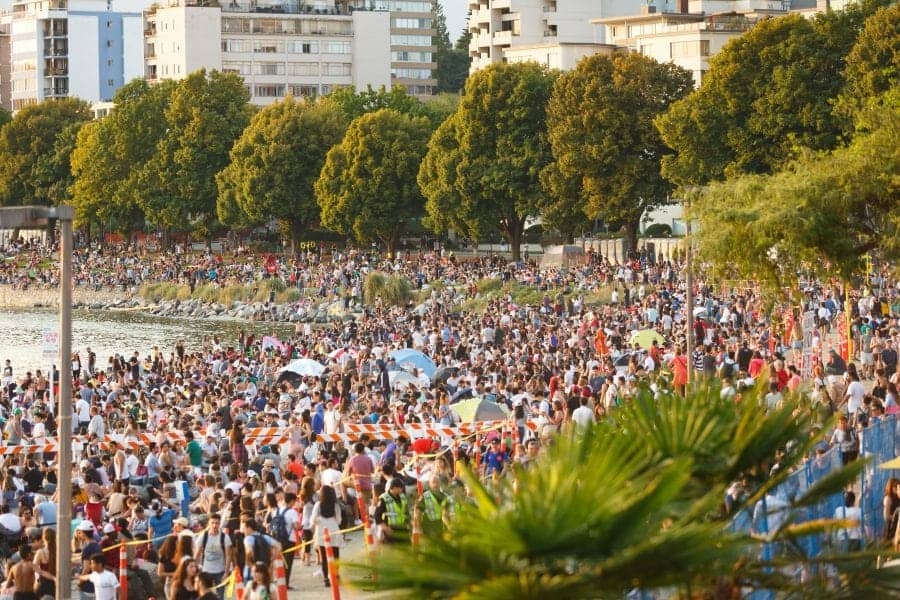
39	216
689	284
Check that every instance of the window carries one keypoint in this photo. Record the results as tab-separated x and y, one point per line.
403	6
241	68
234	25
268	68
336	48
412	73
401	23
303	69
410	56
304	91
266	26
411	40
235	45
270	91
692	48
303	47
110	83
267	47
336	69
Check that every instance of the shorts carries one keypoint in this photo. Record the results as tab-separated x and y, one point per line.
866	358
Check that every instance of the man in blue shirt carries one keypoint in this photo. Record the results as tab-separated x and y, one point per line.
160	523
495	458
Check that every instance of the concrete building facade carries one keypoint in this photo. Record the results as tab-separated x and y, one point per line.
278	49
46	39
556	33
688	39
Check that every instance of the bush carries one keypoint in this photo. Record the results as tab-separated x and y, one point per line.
390	289
233	293
658	230
290	296
265	286
208	293
487	286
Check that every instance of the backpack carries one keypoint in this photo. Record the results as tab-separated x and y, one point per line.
278	528
206	539
262	551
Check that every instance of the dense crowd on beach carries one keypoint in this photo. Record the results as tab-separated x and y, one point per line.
171	457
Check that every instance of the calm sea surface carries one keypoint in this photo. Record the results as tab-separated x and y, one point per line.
108	332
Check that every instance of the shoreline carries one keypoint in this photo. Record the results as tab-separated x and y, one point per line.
113	301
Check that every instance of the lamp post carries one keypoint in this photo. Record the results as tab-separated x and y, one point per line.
19	217
689	284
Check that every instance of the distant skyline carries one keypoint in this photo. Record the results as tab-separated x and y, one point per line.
456	11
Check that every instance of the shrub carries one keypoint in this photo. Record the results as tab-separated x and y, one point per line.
208	293
234	293
658	230
290	295
390	289
487	286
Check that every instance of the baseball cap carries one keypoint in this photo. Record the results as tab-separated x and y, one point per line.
85	526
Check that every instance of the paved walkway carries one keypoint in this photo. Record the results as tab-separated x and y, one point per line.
308	580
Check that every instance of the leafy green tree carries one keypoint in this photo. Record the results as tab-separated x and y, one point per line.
111	154
767	93
606	150
52	171
355	103
206	114
491	156
367	187
823	211
276	161
452	61
632	503
29	156
873	65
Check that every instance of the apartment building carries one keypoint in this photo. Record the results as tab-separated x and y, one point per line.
412	44
44	38
278	49
690	37
556	33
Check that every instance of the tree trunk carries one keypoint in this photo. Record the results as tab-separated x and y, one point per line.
296	228
630	234
87	233
51	233
515	231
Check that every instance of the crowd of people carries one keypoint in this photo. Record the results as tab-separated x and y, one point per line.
170	463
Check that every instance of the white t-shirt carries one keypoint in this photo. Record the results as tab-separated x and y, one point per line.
213	552
582	416
83	408
855	394
331	477
105	585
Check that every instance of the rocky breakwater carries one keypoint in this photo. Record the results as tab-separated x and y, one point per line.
324	312
48	297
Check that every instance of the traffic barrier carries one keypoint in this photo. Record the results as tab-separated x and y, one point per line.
238	584
280	580
363	511
416	536
123	573
333	577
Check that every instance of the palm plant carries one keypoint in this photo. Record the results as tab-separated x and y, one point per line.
634	503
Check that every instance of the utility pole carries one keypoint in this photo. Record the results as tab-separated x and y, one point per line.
19	217
689	284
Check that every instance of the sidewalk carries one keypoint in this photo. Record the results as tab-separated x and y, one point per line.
308	584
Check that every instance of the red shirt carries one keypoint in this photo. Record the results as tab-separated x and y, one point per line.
361	466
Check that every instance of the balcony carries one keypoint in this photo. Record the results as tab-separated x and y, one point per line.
54	50
498	4
482	40
150	30
56	92
502	38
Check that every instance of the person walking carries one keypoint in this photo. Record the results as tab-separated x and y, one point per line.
213	552
326	514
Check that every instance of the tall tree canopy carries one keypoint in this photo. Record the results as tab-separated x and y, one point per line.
490	157
767	93
276	161
206	114
367	187
31	162
606	151
452	61
823	212
111	154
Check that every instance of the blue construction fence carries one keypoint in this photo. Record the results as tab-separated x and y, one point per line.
878	443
